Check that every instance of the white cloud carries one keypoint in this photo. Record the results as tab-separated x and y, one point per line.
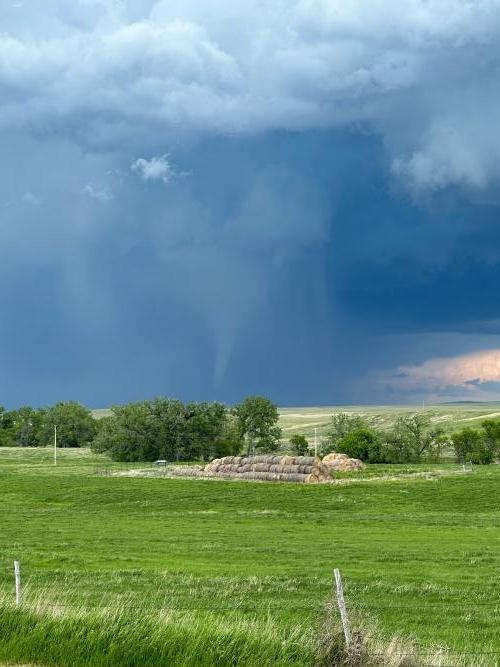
155	169
95	192
421	79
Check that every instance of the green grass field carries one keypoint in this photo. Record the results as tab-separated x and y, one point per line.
138	571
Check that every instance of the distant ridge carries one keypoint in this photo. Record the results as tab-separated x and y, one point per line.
469	403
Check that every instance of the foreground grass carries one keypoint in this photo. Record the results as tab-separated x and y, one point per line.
123	638
237	572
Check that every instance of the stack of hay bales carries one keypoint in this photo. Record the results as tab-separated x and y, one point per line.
342	463
270	468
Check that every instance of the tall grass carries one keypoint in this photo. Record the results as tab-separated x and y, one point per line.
123	637
43	633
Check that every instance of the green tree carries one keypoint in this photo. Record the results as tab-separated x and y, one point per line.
204	430
340	425
21	427
167	429
76	426
28	426
230	441
257	419
412	439
491	437
7	428
142	431
470	445
299	444
364	444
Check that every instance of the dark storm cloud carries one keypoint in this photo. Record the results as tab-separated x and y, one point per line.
211	199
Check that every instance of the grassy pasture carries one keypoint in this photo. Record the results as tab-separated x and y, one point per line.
135	571
450	417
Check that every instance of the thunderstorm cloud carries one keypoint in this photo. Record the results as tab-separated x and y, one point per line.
339	220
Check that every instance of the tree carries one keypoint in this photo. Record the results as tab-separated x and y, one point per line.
207	432
143	431
340	425
230	441
412	439
471	445
491	436
257	420
165	428
21	427
76	426
28	426
299	444
364	444
7	427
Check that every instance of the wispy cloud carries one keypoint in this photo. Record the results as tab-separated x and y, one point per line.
101	194
155	169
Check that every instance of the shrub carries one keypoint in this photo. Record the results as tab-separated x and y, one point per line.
299	444
491	436
413	439
364	444
341	425
472	445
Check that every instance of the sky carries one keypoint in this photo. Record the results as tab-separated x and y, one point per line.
211	199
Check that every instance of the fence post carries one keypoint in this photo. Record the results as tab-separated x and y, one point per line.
17	574
342	607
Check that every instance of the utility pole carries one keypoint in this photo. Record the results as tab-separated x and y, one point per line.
315	441
55	444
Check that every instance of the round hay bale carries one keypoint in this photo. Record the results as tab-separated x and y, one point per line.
334	456
305	460
342	463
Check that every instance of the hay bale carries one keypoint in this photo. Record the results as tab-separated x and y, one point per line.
342	463
265	467
334	456
260	458
305	460
293	477
261	467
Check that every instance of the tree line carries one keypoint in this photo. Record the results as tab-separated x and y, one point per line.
413	439
34	427
166	428
162	428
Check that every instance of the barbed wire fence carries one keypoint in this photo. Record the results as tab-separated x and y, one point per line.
338	600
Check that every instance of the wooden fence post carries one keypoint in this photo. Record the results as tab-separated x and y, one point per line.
17	574
342	607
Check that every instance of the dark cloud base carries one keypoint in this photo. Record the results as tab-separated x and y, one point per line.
283	264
